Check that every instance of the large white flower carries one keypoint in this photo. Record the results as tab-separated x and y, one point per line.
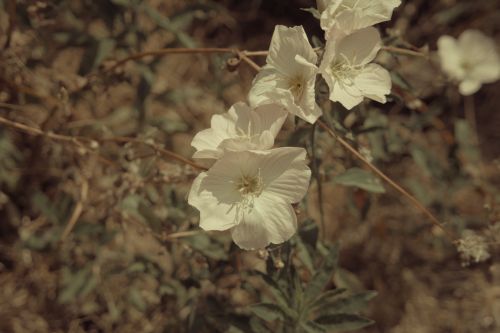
341	17
289	77
241	128
348	72
472	60
251	192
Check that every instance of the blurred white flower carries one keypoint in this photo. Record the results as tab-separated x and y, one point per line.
241	128
289	77
348	72
341	17
472	60
472	248
251	192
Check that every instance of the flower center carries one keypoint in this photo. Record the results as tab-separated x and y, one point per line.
343	71
297	86
249	185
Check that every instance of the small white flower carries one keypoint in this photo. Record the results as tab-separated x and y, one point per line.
241	128
289	77
341	17
251	192
473	248
472	60
348	72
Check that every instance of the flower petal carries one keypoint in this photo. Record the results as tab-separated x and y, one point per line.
374	82
360	47
214	214
270	221
469	87
286	43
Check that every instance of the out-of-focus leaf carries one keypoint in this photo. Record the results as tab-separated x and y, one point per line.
343	322
322	276
360	178
312	327
209	247
258	326
268	311
347	304
400	81
165	23
74	284
135	298
274	288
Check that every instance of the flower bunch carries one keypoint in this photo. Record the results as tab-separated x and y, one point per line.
251	186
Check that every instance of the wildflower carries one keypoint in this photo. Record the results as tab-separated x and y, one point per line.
241	128
346	16
472	60
473	248
250	193
348	72
289	77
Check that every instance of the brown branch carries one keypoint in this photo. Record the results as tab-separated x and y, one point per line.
392	183
92	141
402	51
77	211
243	55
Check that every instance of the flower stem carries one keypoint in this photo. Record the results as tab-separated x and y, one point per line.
392	183
80	140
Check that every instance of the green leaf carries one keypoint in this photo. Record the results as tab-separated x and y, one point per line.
347	304
323	275
268	311
328	296
275	290
312	327
343	322
360	178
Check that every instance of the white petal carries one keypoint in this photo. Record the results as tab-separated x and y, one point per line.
450	56
285	173
271	118
214	214
469	87
374	82
347	95
270	221
271	87
286	43
207	140
360	47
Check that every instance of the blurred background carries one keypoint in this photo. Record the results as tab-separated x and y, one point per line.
98	236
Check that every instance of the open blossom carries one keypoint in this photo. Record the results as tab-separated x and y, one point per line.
341	17
472	60
289	77
250	193
241	128
348	72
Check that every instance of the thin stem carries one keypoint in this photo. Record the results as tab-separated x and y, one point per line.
243	55
393	184
256	53
407	52
79	139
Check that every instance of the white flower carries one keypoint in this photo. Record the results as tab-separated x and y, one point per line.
348	72
289	77
250	193
472	60
342	17
241	128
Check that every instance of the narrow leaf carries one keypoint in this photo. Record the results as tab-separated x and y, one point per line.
360	178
